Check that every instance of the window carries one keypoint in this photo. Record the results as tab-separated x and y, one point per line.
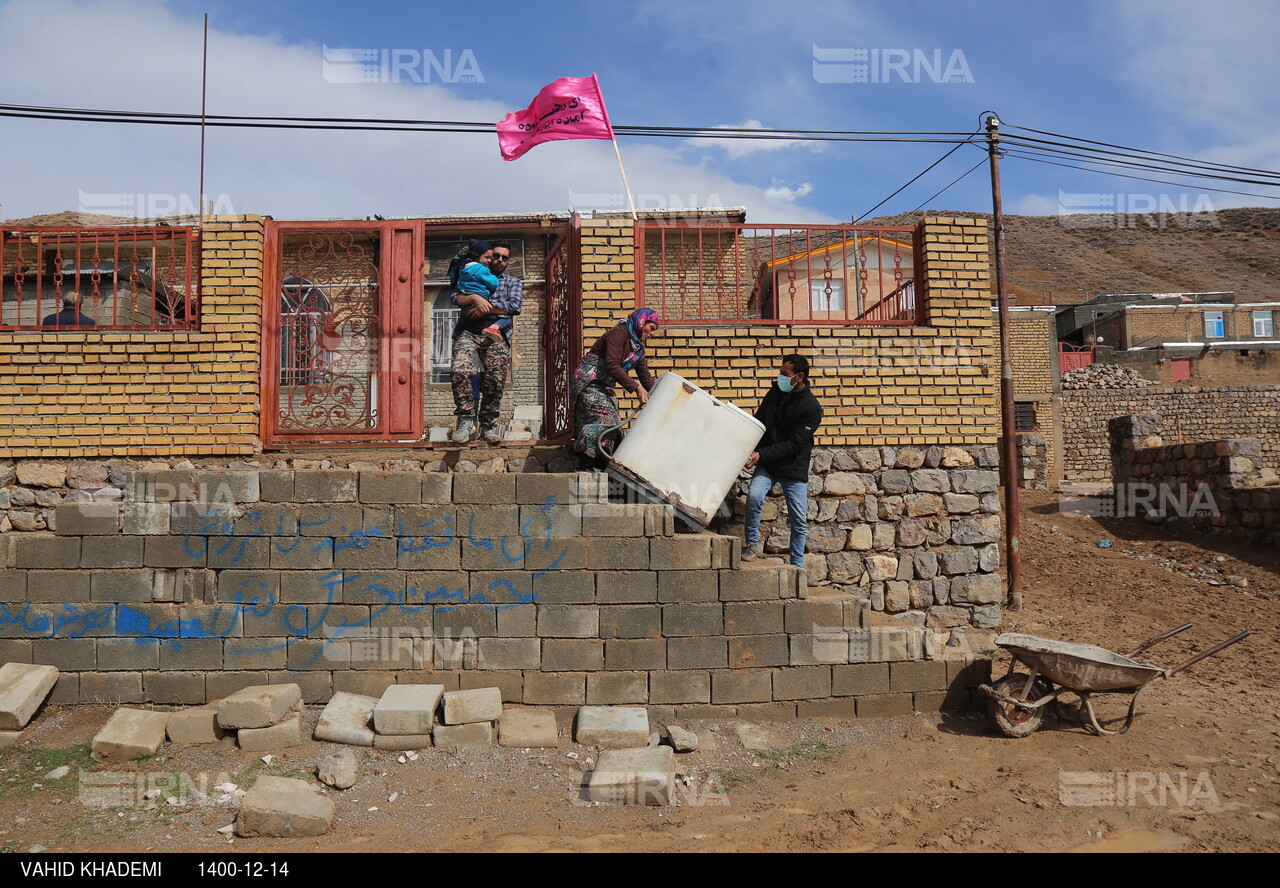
1024	416
304	311
1214	327
826	295
1263	325
444	315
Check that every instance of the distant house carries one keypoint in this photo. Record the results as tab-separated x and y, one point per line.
839	281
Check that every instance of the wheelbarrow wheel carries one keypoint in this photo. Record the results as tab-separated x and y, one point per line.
1013	721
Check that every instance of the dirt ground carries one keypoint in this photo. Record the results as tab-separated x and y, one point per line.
1198	772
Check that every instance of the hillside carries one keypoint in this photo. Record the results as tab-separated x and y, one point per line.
1058	261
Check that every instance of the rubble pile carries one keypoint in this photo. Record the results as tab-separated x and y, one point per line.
1104	376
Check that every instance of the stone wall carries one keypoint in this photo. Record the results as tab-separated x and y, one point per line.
1191	414
1033	461
1218	487
913	530
191	584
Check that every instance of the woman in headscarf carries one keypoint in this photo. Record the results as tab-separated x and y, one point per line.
595	406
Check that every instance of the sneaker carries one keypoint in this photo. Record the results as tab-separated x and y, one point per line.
751	553
466	431
492	434
493	333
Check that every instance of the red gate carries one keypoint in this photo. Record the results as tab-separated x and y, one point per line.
342	332
1073	357
563	331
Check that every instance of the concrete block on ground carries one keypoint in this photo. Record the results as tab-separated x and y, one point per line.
259	706
528	729
682	740
754	737
280	736
476	734
23	687
284	807
469	707
346	719
926	675
406	709
9	738
401	742
194	726
885	705
634	776
613	727
130	733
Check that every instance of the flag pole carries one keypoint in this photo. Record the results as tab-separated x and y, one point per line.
626	185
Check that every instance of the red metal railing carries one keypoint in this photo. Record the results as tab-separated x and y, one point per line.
779	274
117	278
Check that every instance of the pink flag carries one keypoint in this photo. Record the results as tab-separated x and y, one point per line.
569	108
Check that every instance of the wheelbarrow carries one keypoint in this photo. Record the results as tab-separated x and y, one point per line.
1017	702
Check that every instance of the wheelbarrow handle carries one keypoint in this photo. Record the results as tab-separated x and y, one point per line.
1209	653
1152	642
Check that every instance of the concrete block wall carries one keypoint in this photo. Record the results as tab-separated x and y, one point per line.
198	583
1191	414
1219	487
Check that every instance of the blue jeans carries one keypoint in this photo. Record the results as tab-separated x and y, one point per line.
797	494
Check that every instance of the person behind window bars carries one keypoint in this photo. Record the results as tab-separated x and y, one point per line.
489	298
70	315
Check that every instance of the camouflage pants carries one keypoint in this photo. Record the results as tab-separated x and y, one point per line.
474	353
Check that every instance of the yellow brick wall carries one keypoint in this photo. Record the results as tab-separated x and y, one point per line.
1032	340
936	384
149	392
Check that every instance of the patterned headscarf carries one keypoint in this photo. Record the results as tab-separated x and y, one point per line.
635	323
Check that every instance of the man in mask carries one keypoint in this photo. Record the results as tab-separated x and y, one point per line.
790	414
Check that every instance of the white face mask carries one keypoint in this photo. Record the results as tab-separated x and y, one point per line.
784	382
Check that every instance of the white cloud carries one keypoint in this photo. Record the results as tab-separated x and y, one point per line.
782	192
1035	205
737	148
141	55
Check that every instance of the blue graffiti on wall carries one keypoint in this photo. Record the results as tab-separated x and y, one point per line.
297	619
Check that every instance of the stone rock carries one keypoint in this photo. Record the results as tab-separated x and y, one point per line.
475	734
340	769
920	504
130	733
909	458
825	538
956	456
26	521
926	564
613	727
346	719
23	687
989	557
707	740
975	481
682	740
528	729
38	474
961	503
897	596
9	738
408	709
281	807
86	476
859	537
279	736
977	589
987	617
931	480
946	617
890	508
881	567
469	707
971	531
912	532
194	726
22	497
895	481
959	561
754	737
844	484
634	776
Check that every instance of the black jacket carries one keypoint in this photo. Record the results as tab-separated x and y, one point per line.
790	419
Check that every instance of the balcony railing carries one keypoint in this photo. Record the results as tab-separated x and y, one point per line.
779	275
112	278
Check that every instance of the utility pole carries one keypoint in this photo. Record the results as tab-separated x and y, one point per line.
1009	454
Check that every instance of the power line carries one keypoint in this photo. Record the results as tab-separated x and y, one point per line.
1034	159
1015	142
904	187
953	182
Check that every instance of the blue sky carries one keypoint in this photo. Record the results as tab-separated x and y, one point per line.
1182	77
